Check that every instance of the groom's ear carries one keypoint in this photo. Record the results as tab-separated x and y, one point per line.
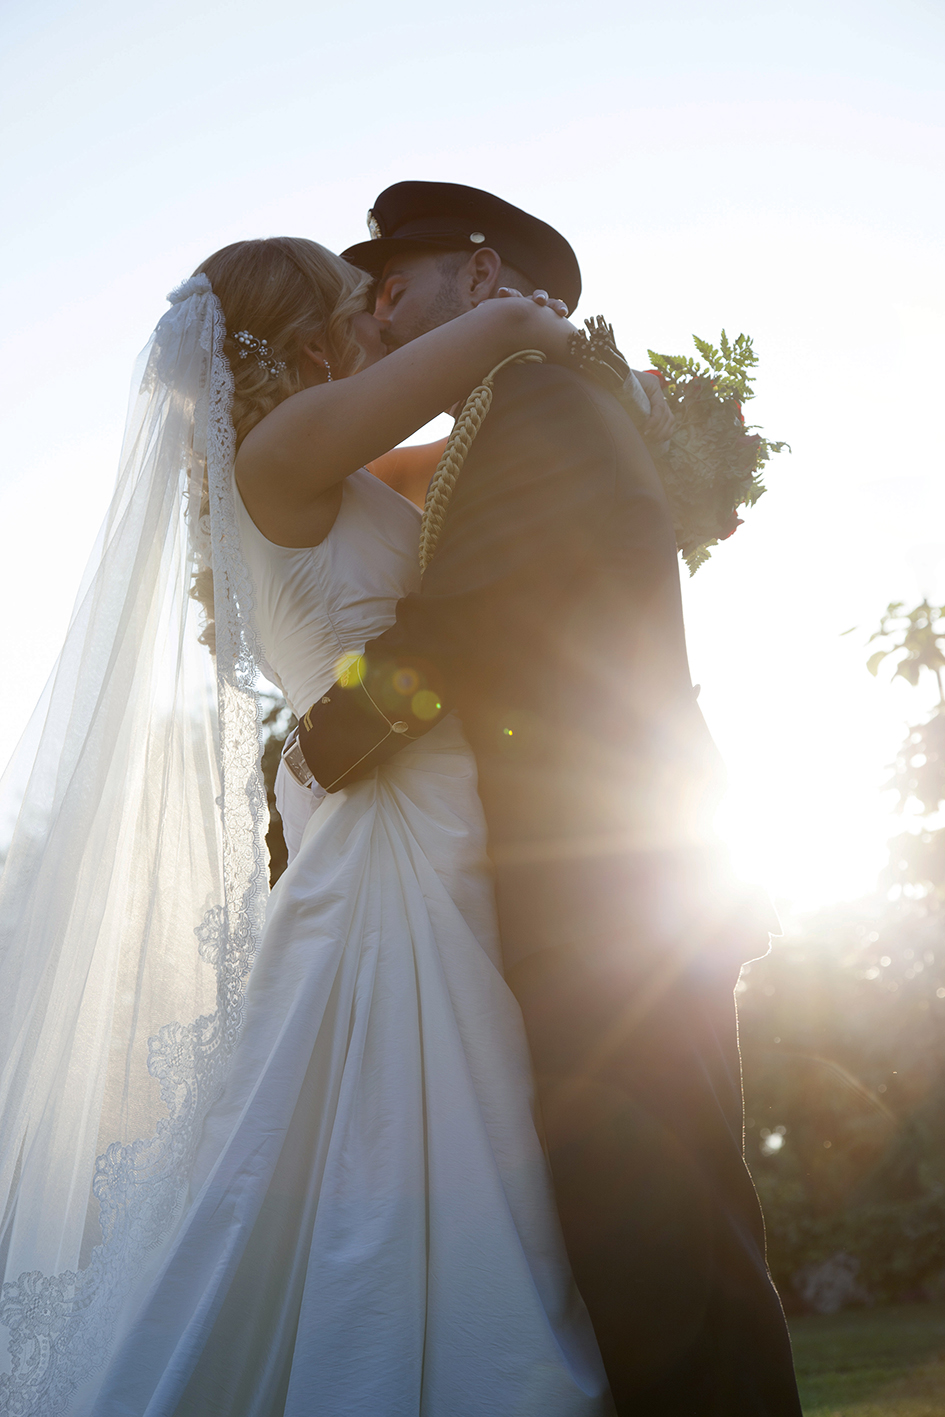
483	273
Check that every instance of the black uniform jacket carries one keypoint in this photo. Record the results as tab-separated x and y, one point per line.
550	620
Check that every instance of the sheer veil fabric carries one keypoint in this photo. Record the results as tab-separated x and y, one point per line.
134	883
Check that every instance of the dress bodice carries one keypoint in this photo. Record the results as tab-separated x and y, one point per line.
315	604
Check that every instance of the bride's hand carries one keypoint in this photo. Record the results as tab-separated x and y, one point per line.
546	325
540	297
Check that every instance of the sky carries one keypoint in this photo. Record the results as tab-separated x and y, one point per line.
765	167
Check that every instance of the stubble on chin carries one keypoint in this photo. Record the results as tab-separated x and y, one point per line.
445	306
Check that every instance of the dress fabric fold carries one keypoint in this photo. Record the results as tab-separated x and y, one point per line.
371	1225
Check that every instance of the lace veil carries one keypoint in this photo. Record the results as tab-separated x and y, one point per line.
134	884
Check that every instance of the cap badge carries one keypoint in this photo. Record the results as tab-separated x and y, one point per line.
374	226
476	237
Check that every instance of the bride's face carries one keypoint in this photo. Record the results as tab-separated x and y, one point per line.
367	331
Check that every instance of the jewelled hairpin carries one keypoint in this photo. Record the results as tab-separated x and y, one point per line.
263	354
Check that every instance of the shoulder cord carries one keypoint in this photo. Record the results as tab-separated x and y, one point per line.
454	454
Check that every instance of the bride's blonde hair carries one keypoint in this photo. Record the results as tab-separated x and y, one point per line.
289	292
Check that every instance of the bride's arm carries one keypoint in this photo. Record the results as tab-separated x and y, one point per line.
313	440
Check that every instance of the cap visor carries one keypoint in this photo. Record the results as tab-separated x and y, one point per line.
372	256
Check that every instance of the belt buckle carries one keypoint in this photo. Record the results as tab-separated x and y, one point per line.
294	760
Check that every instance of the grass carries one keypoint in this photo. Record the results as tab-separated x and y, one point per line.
882	1362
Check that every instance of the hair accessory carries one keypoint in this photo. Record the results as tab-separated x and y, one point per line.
596	353
264	356
196	285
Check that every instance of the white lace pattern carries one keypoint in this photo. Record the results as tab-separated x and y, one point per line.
134	726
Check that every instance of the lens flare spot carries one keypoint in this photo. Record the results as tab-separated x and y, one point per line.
517	728
425	705
349	670
406	681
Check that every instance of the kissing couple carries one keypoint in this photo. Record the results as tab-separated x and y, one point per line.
450	1125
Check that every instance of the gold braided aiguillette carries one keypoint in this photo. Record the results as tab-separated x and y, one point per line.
454	454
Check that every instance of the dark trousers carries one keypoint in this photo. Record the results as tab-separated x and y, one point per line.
634	1042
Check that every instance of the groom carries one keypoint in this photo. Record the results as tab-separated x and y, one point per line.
550	619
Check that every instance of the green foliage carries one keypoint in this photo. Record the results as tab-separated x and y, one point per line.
700	555
726	367
919	769
917	637
843	1036
914	640
917	864
880	1359
843	1040
712	464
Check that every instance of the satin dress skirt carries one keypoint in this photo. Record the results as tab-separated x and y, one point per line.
372	1228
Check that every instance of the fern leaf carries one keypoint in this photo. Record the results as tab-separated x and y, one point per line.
708	351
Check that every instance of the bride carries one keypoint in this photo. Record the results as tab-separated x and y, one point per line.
316	1186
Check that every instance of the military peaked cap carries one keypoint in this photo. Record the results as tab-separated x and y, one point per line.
445	216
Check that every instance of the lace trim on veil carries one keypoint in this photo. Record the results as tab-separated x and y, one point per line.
62	1326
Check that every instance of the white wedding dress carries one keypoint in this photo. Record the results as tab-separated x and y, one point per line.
371	1230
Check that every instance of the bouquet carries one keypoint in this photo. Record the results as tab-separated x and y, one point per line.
713	461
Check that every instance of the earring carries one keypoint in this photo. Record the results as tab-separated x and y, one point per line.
327	370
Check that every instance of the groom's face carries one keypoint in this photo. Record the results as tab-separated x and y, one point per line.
419	291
